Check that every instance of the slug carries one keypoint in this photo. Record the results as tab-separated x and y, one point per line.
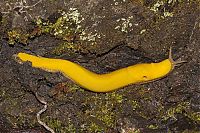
139	73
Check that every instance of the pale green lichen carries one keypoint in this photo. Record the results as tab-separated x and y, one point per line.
65	26
117	2
124	24
160	4
156	6
68	23
89	37
143	31
68	27
164	8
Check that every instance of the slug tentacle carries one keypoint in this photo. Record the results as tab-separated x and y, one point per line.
174	62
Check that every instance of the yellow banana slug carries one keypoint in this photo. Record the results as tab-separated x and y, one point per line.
139	73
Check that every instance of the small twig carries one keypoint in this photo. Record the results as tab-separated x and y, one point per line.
41	100
194	27
10	8
22	8
22	2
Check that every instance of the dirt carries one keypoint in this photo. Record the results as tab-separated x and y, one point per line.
102	36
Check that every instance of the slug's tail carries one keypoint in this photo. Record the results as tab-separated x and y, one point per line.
17	59
175	62
23	57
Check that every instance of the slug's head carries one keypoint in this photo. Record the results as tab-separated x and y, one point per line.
173	62
149	72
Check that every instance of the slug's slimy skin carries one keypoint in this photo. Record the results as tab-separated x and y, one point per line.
139	73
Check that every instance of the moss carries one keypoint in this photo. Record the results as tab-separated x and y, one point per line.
75	87
16	115
170	113
195	116
152	126
17	36
3	92
135	104
66	27
94	128
131	130
182	108
190	131
104	113
114	97
59	127
65	47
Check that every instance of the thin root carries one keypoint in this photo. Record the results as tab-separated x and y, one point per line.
41	100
